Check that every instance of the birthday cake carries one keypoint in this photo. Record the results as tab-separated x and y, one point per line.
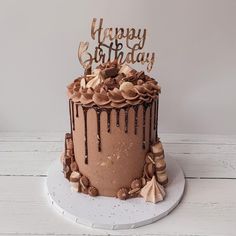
113	148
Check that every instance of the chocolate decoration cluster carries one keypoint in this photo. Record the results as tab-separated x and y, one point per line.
111	85
155	166
79	182
133	191
68	158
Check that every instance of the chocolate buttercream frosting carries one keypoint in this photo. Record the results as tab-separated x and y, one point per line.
112	85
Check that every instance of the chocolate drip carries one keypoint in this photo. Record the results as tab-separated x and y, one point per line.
135	118
157	119
85	110
117	117
77	110
155	115
109	120
145	106
73	115
150	125
126	119
98	111
71	130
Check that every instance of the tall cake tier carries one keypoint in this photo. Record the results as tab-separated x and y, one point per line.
110	144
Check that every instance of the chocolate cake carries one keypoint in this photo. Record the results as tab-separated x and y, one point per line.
113	148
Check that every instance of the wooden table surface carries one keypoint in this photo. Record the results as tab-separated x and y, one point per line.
207	208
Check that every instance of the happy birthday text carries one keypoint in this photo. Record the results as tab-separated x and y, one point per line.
110	46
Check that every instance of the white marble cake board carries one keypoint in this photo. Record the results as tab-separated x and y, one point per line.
112	213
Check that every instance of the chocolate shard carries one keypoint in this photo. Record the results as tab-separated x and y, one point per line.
109	72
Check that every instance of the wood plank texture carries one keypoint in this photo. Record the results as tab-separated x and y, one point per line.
208	206
204	210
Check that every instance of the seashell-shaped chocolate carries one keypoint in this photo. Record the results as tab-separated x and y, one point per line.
67	160
136	184
84	181
92	191
149	170
115	96
123	193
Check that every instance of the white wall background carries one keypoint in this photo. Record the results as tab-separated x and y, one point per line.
195	41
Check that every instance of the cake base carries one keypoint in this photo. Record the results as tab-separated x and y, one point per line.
112	213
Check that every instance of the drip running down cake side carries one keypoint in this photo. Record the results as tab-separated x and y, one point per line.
113	148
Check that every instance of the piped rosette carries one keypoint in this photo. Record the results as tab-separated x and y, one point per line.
112	85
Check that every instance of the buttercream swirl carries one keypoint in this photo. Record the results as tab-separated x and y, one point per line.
115	86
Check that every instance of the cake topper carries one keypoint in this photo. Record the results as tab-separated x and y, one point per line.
110	46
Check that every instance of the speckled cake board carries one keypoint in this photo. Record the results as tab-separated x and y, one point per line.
111	213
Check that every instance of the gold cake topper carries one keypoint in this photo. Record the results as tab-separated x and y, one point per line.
110	47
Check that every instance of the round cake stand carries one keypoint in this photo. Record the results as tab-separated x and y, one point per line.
112	213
